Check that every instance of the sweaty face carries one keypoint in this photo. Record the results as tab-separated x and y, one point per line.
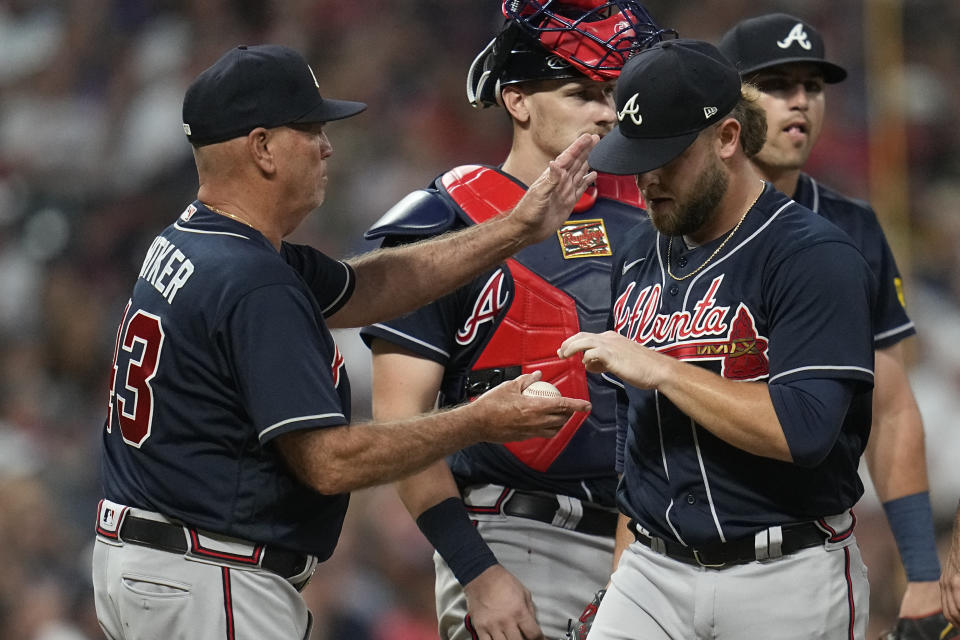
792	95
562	110
682	195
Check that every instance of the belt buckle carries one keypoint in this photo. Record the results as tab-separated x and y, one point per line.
696	556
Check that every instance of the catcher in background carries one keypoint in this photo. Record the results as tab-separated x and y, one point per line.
524	532
784	57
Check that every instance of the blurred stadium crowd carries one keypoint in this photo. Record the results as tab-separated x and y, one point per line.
93	163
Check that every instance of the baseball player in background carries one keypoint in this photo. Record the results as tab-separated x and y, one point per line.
228	450
741	336
524	532
783	56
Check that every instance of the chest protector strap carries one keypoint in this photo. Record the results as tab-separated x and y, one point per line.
537	320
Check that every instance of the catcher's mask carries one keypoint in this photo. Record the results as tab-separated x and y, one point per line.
549	39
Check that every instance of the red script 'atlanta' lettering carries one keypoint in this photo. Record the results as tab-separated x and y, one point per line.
643	324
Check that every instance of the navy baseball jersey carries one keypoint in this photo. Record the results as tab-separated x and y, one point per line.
891	324
512	319
222	348
788	299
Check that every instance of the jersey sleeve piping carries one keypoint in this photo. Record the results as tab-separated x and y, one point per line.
407	337
282	423
909	328
827	369
345	293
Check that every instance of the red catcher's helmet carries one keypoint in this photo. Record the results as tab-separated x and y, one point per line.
560	39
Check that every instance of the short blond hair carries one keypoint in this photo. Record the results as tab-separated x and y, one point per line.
752	119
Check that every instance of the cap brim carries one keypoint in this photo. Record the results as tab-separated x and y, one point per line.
328	110
620	155
832	73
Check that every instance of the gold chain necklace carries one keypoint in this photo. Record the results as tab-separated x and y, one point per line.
229	215
715	251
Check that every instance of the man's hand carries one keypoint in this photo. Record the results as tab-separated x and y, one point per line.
550	199
500	607
611	352
504	414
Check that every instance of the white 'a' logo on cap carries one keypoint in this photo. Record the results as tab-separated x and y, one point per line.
632	109
314	77
796	34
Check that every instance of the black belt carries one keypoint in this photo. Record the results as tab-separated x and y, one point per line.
166	536
594	521
741	551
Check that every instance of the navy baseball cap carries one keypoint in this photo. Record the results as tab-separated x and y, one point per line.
666	96
774	39
257	86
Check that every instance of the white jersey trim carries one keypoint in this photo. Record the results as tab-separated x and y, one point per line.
895	331
676	533
343	292
706	481
823	368
743	243
176	225
663	455
407	336
816	195
282	423
613	381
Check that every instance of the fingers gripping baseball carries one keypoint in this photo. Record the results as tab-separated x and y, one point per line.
508	415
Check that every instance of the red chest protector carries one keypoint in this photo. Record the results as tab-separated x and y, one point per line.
540	316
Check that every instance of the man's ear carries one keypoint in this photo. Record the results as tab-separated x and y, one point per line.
515	102
728	138
260	147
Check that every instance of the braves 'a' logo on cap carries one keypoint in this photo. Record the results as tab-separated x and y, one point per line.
632	109
798	35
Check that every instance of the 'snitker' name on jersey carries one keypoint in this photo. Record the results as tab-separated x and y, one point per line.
163	252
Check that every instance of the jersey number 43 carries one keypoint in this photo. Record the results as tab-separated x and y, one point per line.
135	359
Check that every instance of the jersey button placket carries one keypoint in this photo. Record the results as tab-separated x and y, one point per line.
674	289
682	262
691	499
